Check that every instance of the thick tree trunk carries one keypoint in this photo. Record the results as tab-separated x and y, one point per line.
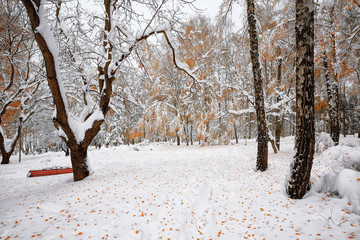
79	162
262	138
300	169
5	151
5	158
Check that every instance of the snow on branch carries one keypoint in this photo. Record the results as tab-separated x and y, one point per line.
242	112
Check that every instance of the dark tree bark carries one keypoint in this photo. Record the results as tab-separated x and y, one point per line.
336	121
333	100
262	138
191	135
235	131
79	162
300	169
277	118
7	152
177	138
335	84
66	150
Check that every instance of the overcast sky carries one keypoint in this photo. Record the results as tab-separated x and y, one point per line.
211	9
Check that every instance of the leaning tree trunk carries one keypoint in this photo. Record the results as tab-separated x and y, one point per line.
299	176
262	138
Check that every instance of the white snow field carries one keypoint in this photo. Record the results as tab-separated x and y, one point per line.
163	191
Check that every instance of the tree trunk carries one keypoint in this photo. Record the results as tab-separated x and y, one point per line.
6	152
329	92
249	136
236	135
273	145
5	157
67	150
186	134
333	100
336	122
300	169
191	135
79	162
335	88
277	118
262	138
343	107
177	138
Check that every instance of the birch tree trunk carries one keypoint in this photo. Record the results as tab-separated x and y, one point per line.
329	94
300	170
262	138
333	100
335	88
277	118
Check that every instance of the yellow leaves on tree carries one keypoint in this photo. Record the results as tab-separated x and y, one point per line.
321	104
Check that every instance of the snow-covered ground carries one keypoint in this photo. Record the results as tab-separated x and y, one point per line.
162	191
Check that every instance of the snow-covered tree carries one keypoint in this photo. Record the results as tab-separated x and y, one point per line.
300	170
121	29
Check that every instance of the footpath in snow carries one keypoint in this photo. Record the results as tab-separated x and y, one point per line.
162	191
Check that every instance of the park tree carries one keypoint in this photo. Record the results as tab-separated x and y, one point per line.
118	41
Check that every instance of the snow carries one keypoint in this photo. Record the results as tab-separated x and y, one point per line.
341	173
8	143
323	142
79	128
44	30
164	191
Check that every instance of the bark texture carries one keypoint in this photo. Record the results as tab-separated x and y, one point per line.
335	136
262	138
79	162
300	169
333	100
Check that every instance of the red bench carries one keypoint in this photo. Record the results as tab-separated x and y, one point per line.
47	172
